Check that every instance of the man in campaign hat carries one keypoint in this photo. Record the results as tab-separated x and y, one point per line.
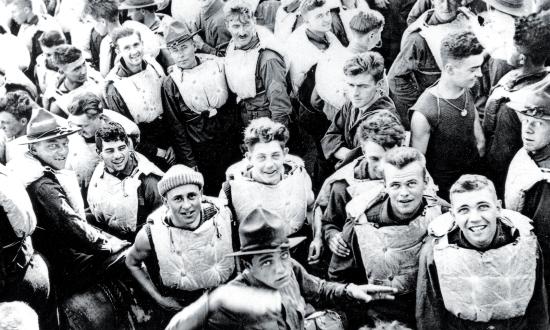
268	266
78	252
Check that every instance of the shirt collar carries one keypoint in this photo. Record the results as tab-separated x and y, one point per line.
252	44
123	71
504	235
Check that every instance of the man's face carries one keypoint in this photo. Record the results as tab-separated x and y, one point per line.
88	126
115	154
319	19
11	126
535	133
130	49
241	32
445	10
374	38
184	203
361	89
205	4
476	213
267	161
75	72
405	188
48	53
52	152
19	12
184	54
272	269
374	154
136	14
465	73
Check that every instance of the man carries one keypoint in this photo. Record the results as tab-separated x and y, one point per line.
378	134
483	268
364	87
134	90
87	113
269	267
123	189
271	178
78	252
384	233
213	36
527	186
445	124
15	113
45	71
287	19
24	272
106	19
75	77
194	97
185	243
500	123
255	67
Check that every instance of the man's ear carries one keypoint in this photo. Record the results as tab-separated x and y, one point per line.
248	156
499	205
246	263
285	151
449	68
117	51
164	201
23	121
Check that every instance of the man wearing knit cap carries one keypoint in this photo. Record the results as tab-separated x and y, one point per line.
184	243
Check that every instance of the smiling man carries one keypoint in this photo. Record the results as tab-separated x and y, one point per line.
384	234
483	269
123	189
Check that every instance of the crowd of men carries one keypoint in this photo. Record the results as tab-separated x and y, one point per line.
274	164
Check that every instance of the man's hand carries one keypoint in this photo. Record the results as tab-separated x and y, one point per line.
245	300
338	246
381	4
369	292
315	249
118	245
199	43
169	303
170	156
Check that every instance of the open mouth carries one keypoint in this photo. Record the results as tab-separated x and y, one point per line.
476	229
189	214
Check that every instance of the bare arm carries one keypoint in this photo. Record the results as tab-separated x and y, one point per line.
420	132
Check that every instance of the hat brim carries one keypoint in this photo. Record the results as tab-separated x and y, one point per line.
26	140
181	39
124	6
520	11
292	242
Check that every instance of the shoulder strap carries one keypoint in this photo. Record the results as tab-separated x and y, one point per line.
234	221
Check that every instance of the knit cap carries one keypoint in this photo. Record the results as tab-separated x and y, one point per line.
179	175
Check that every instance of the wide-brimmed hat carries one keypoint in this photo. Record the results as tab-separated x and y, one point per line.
177	32
533	101
512	7
134	4
263	231
45	126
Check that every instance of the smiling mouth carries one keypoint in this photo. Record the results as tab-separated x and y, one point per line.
479	228
188	214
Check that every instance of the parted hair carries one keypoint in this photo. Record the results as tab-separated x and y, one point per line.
87	103
308	5
18	103
52	38
532	36
459	45
366	21
402	156
369	62
124	32
471	182
109	132
106	9
382	128
66	54
265	130
242	9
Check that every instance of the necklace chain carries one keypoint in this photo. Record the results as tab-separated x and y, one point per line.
463	111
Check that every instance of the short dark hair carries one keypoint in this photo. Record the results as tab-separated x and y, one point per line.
265	130
308	5
66	54
532	36
109	132
152	8
460	45
366	21
240	8
124	32
52	38
471	182
369	62
86	103
383	128
106	9
402	156
18	103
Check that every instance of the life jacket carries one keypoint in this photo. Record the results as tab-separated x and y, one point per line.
114	201
285	23
523	174
329	75
497	284
241	65
141	91
202	87
288	198
45	77
18	56
192	260
28	31
390	253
